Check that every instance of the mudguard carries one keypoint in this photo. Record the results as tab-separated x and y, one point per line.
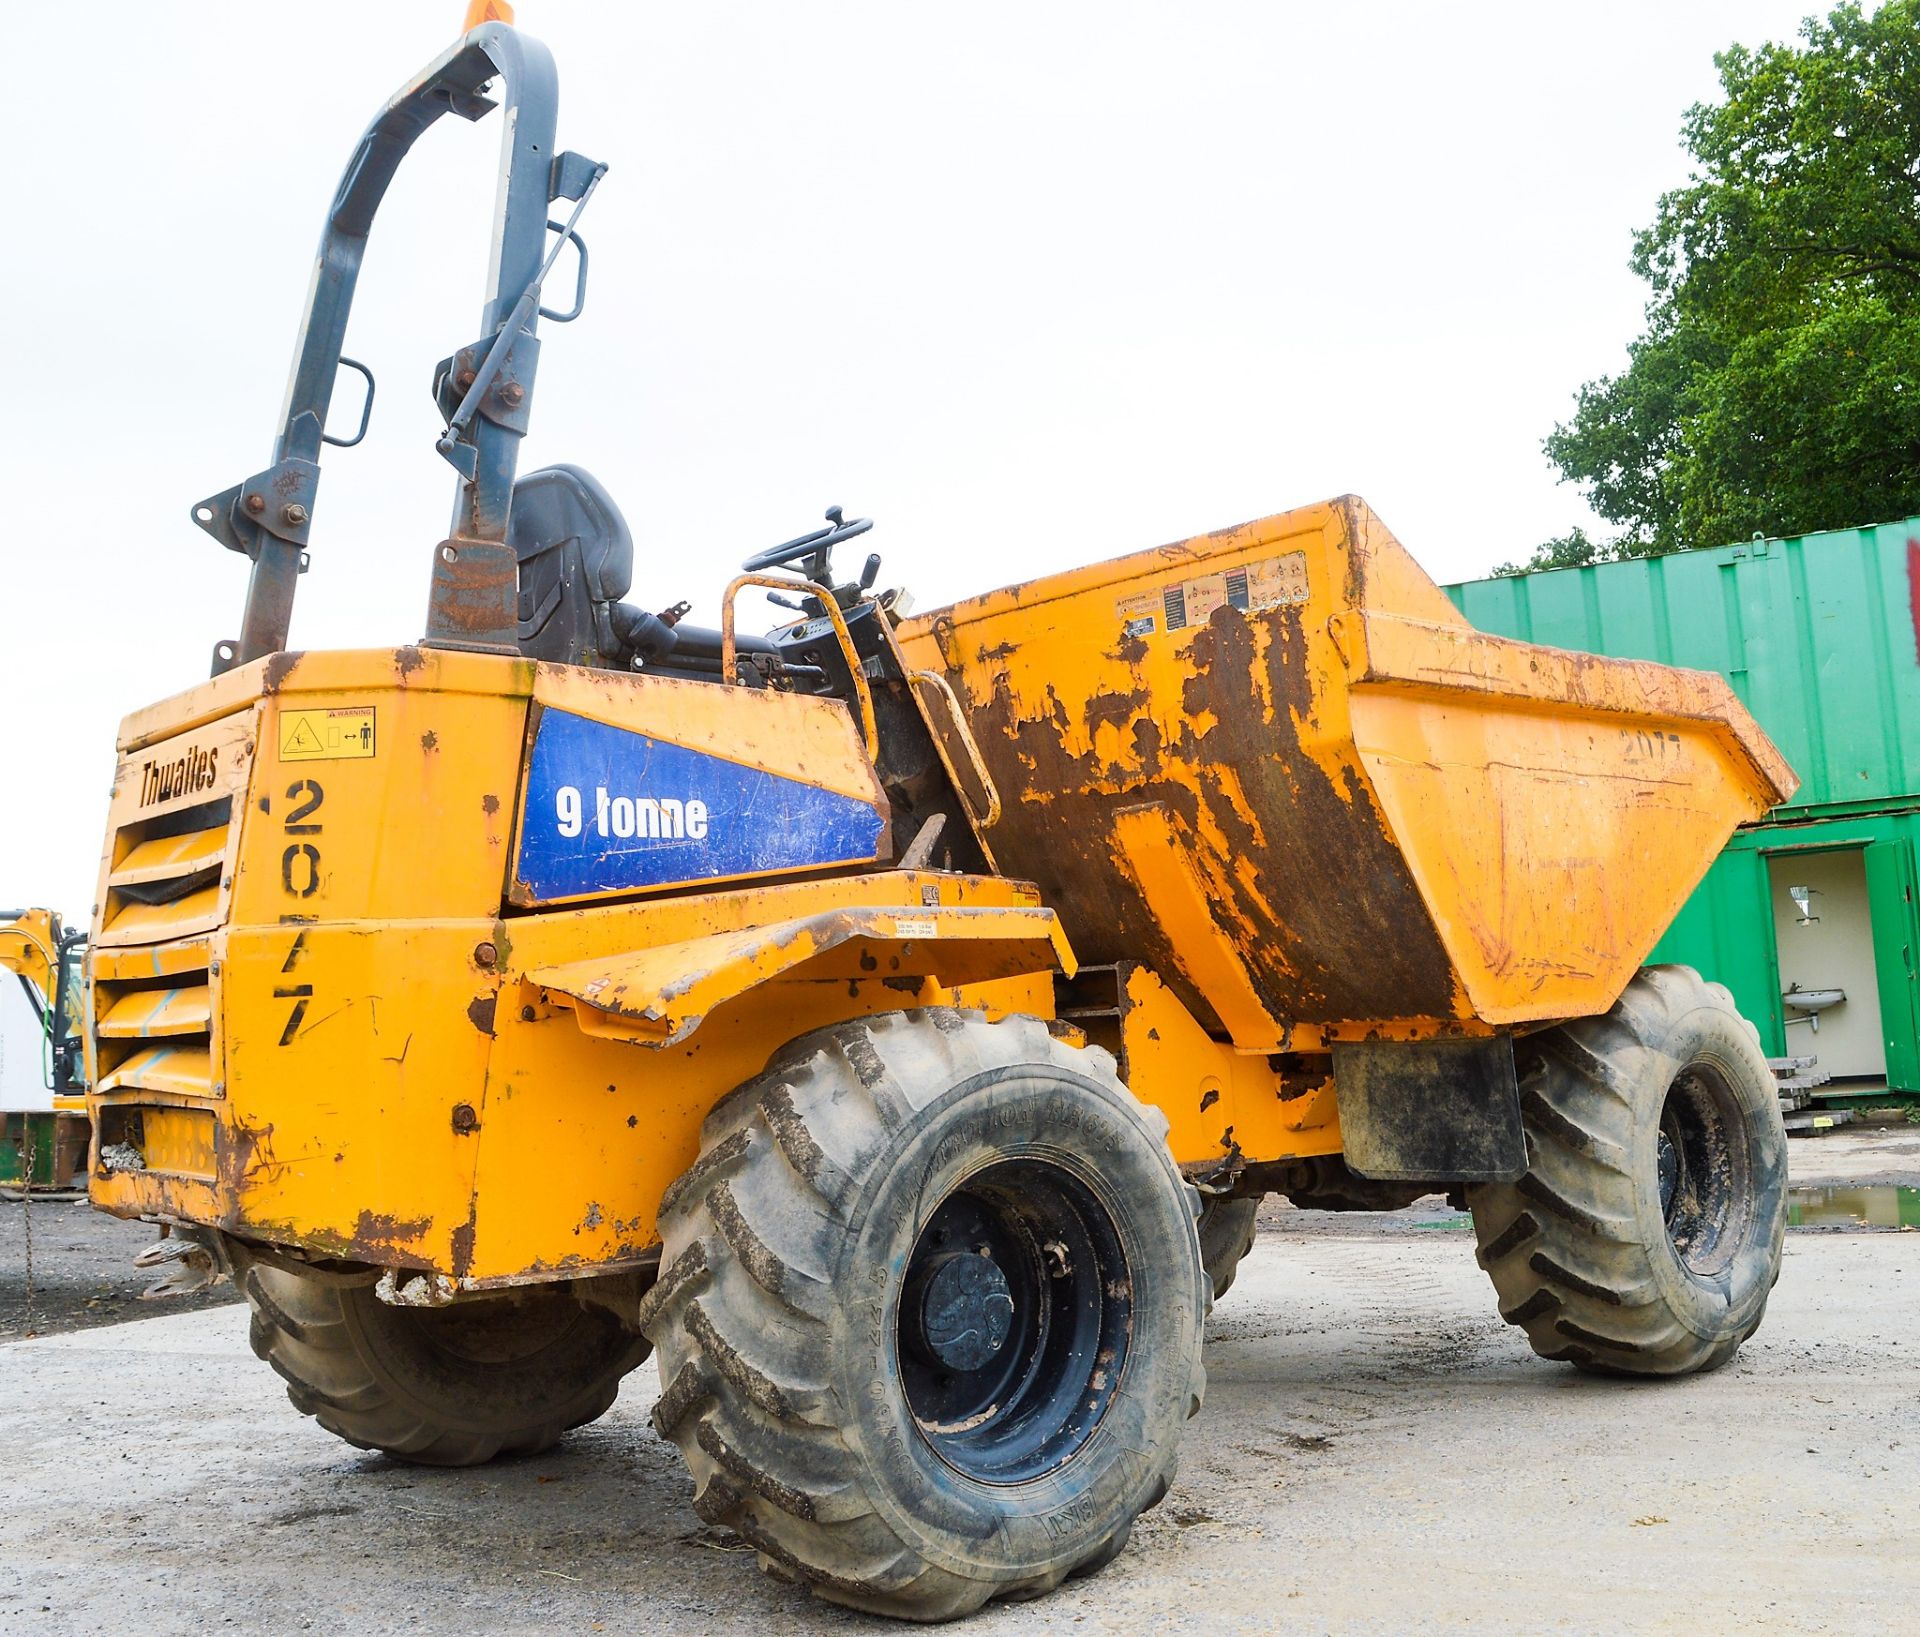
658	996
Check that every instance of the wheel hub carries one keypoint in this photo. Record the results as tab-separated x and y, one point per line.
967	1312
1014	1321
1703	1171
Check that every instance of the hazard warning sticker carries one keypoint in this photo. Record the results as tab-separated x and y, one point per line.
327	735
1271	583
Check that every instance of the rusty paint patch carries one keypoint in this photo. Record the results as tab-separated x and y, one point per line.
480	1013
279	667
1315	897
409	659
462	1240
368	1243
429	740
237	1147
1112	709
376	1237
490	805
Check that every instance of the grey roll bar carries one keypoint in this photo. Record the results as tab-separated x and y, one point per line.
485	390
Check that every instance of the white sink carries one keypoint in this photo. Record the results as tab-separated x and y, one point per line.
1813	1000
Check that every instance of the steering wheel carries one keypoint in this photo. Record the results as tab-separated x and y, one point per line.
817	545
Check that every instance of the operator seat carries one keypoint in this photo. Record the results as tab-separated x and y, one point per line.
576	562
575	554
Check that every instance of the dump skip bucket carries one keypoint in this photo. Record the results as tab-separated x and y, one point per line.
1277	765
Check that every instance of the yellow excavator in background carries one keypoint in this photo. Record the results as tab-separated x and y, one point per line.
49	960
41	1148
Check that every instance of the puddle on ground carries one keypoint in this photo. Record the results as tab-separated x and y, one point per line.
1878	1205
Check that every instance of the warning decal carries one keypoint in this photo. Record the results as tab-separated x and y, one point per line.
1270	583
327	735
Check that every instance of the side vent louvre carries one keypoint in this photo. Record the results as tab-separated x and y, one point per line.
169	889
165	885
166	875
153	1019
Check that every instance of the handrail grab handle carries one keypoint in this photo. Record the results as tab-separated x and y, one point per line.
869	725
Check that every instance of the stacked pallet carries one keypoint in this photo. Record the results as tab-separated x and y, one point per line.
1796	1079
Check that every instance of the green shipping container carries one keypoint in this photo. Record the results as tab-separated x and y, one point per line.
46	1147
1820	638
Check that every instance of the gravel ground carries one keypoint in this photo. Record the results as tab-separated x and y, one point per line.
83	1272
1378	1453
1886	1151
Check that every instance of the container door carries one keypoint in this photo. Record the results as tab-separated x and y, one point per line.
1896	952
1725	932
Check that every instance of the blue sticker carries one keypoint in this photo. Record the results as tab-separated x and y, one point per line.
609	810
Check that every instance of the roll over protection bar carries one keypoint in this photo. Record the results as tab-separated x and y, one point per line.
485	390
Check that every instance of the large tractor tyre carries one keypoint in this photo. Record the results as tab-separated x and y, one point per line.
930	1313
446	1386
1226	1235
1645	1235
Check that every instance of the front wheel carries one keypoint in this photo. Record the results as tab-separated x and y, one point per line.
930	1312
1645	1235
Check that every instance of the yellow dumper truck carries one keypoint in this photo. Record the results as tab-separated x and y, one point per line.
890	1023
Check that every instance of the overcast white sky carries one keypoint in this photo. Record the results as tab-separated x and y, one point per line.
1030	284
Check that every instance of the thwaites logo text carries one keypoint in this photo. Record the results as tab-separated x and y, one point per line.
186	775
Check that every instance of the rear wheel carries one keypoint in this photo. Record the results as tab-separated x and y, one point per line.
929	1321
1226	1235
447	1386
1645	1235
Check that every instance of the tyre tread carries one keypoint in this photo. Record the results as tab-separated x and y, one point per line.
300	1328
1584	1291
757	1436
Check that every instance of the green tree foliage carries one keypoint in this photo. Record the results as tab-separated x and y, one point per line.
1574	549
1776	388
